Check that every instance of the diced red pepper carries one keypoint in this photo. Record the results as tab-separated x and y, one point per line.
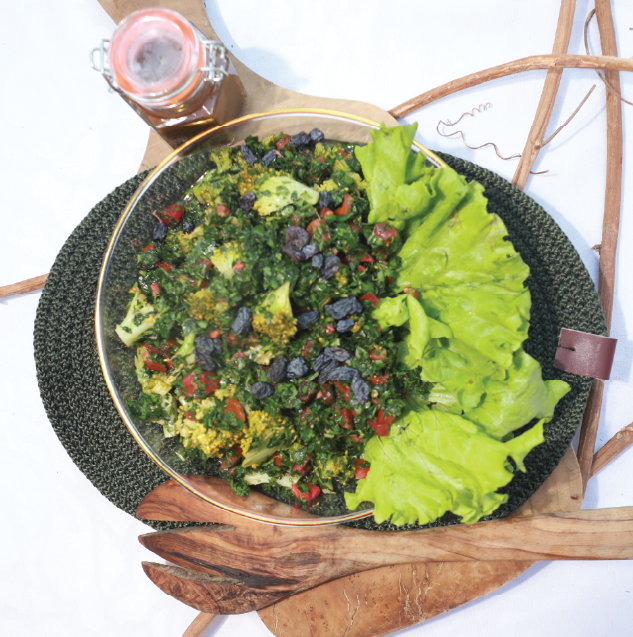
344	208
381	428
356	438
277	459
377	354
189	381
146	350
306	497
348	417
235	407
208	264
371	297
172	215
231	340
215	333
386	232
325	212
378	380
361	472
302	468
344	390
149	247
325	394
313	225
381	417
296	220
321	159
283	142
305	412
155	289
354	226
330	329
367	258
409	290
239	266
210	385
166	266
361	268
189	416
222	211
307	347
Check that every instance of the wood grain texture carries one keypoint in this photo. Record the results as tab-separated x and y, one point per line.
199	625
610	227
548	96
23	287
612	449
532	63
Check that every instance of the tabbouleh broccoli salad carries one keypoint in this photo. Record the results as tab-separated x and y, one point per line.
312	314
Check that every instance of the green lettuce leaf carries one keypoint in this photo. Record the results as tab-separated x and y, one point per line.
433	462
517	398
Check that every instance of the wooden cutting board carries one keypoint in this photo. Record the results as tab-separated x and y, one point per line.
385	600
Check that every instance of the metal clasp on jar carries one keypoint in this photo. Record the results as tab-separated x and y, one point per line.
103	66
216	60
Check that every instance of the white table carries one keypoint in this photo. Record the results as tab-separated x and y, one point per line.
70	559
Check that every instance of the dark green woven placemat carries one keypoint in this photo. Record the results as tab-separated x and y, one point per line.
83	415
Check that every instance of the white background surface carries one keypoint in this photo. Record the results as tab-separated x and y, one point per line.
70	559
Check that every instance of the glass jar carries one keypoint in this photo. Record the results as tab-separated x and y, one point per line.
178	81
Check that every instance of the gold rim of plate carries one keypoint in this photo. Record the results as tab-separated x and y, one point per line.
174	475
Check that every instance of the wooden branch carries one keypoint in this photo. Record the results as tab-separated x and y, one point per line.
24	287
610	227
532	63
548	96
612	449
199	625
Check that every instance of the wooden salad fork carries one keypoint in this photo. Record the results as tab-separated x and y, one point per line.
241	565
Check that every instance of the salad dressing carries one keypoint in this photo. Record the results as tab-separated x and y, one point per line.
177	81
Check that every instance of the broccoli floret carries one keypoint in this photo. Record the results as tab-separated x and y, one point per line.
273	316
222	159
140	318
280	191
203	306
262	427
226	257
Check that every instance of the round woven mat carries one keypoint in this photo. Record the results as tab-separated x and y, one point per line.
83	415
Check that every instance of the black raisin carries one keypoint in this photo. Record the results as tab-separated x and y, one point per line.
206	349
316	135
277	370
324	199
344	307
344	326
317	261
249	155
324	376
305	318
297	236
339	354
293	252
297	368
160	230
343	373
269	157
247	201
261	390
308	252
300	139
330	267
242	323
321	361
188	227
360	389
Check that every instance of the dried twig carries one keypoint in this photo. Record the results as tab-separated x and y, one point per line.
459	132
24	287
610	227
612	449
601	75
532	63
560	128
548	96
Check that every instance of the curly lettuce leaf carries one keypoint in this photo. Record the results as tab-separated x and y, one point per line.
433	462
517	398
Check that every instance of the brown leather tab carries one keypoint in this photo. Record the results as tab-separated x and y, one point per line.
585	354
